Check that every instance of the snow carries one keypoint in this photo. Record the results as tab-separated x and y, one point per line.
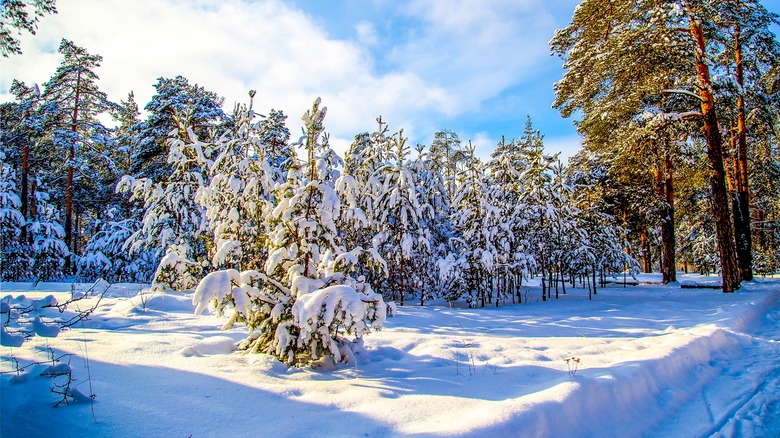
653	360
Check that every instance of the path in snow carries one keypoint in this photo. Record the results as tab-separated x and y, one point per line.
743	400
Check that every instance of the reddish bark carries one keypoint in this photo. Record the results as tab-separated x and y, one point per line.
720	204
742	210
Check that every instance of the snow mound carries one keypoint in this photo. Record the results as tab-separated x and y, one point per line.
155	302
209	346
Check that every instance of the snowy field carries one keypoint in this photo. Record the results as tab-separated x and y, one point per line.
645	360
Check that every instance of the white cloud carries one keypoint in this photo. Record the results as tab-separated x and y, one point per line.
447	59
229	47
366	33
476	49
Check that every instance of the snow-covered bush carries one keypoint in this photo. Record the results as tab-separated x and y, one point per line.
311	322
176	272
105	256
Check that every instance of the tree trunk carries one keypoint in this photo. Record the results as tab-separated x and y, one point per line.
742	212
544	290
26	236
720	202
647	262
665	188
401	278
69	180
667	222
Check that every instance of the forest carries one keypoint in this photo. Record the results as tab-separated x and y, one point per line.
676	103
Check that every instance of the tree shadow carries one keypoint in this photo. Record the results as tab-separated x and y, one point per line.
144	401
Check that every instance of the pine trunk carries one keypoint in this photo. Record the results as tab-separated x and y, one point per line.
720	201
647	262
667	227
25	237
742	212
665	189
69	181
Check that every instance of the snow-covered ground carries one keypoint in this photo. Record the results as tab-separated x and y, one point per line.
642	360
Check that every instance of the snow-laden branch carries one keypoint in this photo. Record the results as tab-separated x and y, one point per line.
685	92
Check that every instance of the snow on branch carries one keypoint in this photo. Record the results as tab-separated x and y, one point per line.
684	92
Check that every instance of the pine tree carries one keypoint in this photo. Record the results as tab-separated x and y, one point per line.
473	217
16	262
602	49
304	307
174	97
16	16
432	191
446	151
79	135
126	114
400	216
106	257
238	199
49	250
174	225
274	134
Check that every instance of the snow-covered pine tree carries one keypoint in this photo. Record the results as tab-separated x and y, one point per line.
50	251
106	257
448	155
79	135
363	175
25	125
14	250
238	199
475	218
273	133
508	164
126	114
175	226
431	188
304	307
400	217
173	98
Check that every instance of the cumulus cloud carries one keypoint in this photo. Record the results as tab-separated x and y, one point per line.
416	63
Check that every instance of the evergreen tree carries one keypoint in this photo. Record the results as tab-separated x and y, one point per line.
238	199
174	97
400	216
126	114
273	133
17	17
15	252
49	250
304	307
26	125
432	191
106	257
612	72
174	225
447	152
474	217
79	135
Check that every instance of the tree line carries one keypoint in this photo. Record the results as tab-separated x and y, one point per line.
680	98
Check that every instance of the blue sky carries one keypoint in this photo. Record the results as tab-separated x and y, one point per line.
493	52
476	67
